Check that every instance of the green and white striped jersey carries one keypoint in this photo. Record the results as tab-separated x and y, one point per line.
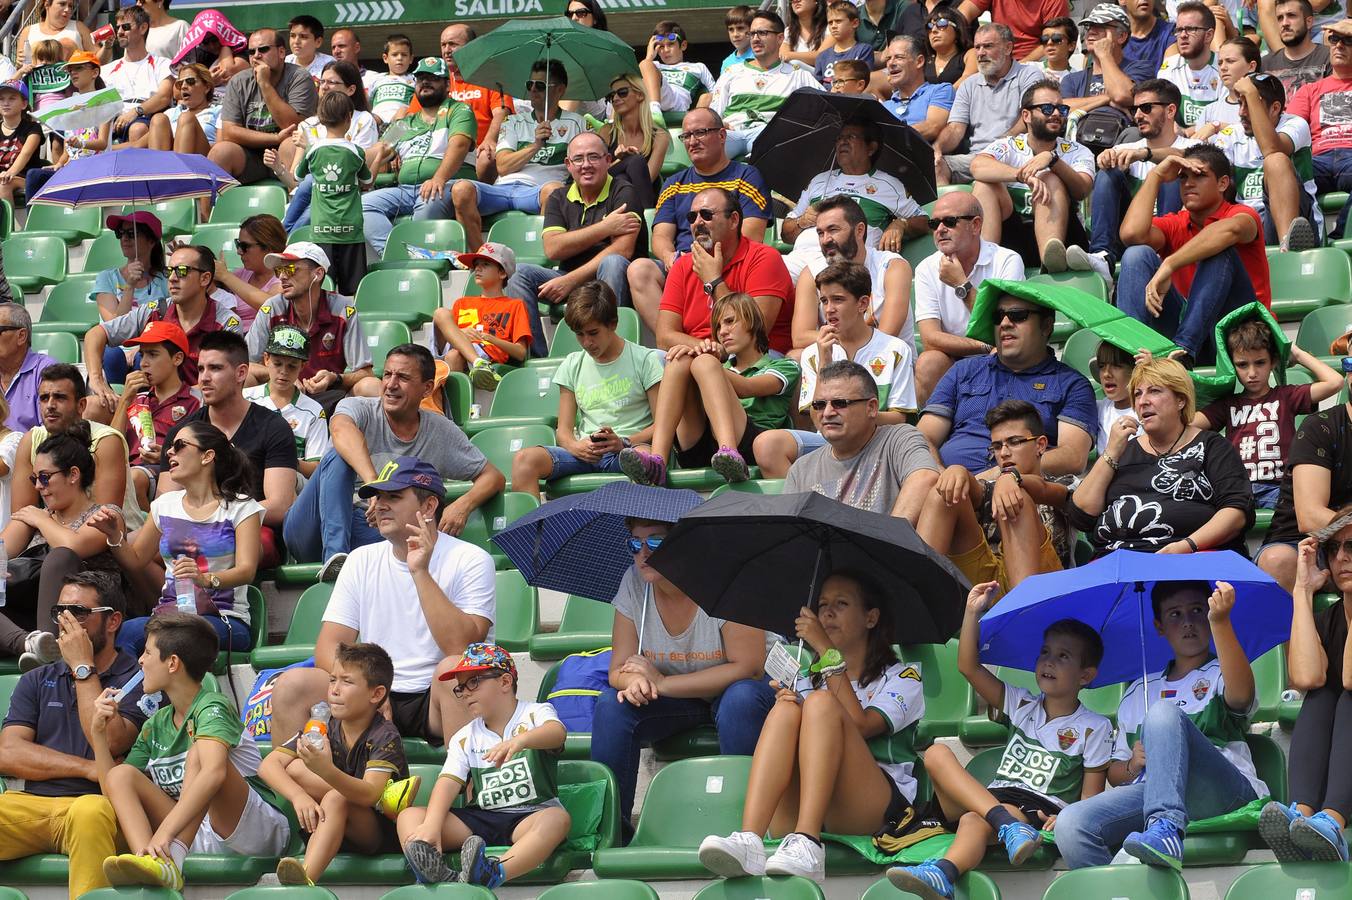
747	96
1015	151
1244	154
1198	88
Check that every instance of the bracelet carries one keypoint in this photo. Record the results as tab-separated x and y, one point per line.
1018	479
828	671
1191	543
1111	461
121	537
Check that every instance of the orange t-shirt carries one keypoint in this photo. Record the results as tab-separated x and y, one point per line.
503	317
480	99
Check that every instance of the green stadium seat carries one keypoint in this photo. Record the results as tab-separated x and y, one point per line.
177	217
382	337
565	341
258	630
457	394
763	887
429	234
702	740
70	308
8	682
501	444
916	249
1118	883
580	484
6	219
131	893
71	224
294	574
522	234
948	696
104	253
1269	675
450	891
403	295
9	893
239	203
609	889
33	261
494	516
299	644
59	345
1090	282
1333	201
980	731
972	886
523	397
764	486
585	625
1270	763
1322	327
283	892
1306	281
677	157
1079	351
302	233
218	237
518	611
1299	881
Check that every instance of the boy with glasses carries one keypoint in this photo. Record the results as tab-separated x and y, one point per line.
667	74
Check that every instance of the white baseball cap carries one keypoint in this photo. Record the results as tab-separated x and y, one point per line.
298	251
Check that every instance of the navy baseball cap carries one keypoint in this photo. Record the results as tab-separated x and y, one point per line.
404	472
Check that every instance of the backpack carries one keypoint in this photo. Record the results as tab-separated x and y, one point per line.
581	678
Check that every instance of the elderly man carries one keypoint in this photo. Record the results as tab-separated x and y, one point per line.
1022	367
901	470
45	737
144	81
262	108
841	225
1323	104
1107	76
491	108
592	230
1193	69
20	367
723	261
1039	175
921	104
747	96
946	283
893	217
987	105
368	432
705	139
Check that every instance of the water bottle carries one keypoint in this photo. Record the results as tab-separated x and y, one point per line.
318	727
185	594
4	572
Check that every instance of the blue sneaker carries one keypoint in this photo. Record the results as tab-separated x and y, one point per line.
1021	841
1274	827
926	881
477	867
1159	845
1320	837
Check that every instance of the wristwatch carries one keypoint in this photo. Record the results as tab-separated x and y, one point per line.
829	659
711	286
214	580
82	671
963	290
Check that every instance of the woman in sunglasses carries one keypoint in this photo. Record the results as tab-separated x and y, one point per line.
638	145
586	14
672	668
189	126
56	539
951	58
253	282
206	534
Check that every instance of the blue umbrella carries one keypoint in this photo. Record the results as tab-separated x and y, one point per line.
1112	594
134	176
577	544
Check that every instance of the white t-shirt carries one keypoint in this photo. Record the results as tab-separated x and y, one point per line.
316	66
1137	171
1247	159
518	131
305	416
166	40
1221	112
209	542
364	130
877	263
936	300
1200	88
9	446
1049	757
681	82
889	360
137	81
465	760
390	95
375	595
747	96
1016	151
1107	415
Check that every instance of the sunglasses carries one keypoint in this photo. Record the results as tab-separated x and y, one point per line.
706	214
79	612
43	478
838	403
1332	548
577	12
1148	107
696	134
667	38
1017	316
1334	39
125	234
637	544
1050	109
262	48
1013	443
618	94
124	26
949	221
182	271
242	247
534	85
284	269
179	445
472	684
1051	39
938	24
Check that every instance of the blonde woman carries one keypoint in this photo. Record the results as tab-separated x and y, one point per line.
632	136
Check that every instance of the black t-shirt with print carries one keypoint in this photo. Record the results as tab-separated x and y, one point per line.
1321	440
12	142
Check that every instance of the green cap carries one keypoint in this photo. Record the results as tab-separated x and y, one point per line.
432	65
288	340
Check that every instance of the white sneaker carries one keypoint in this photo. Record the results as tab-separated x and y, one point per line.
39	649
1054	255
798	855
332	566
1080	261
739	854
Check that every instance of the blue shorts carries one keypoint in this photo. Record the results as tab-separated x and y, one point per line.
522	196
807	441
1265	494
566	464
495	826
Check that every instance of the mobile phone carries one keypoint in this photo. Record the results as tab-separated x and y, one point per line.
597	438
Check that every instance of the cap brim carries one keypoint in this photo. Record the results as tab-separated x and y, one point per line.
141	341
272	260
285	351
449	676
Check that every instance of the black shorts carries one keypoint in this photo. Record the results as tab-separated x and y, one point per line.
411	713
388	842
698	455
347	265
495	826
119	135
897	805
1017	234
1026	802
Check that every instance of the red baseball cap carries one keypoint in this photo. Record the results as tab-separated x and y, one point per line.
140	217
162	332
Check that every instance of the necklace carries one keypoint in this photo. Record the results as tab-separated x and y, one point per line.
1159	455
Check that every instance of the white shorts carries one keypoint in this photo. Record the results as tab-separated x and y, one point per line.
262	831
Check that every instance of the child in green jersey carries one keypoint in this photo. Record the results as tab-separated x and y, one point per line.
1058	752
340	174
189	781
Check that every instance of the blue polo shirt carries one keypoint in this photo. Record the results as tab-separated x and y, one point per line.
915	108
44	700
1149	49
678	195
977	383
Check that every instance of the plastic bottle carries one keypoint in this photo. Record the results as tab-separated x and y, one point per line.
4	572
185	594
318	727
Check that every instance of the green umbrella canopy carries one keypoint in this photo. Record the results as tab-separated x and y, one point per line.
502	59
1104	319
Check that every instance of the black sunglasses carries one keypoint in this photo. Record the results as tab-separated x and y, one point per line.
43	478
618	94
1014	315
1051	39
578	12
125	234
242	247
124	26
79	612
262	48
534	85
1050	109
1333	38
936	24
838	402
1331	548
948	221
179	445
706	214
1148	107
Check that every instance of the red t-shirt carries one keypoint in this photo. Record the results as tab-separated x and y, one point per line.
1327	106
1262	430
1178	229
503	317
1025	18
755	269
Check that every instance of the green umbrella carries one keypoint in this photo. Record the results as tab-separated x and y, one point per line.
503	58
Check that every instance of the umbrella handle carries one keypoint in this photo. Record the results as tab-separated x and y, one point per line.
643	615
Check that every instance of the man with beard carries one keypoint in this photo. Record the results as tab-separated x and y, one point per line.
922	105
1194	69
985	108
893	217
1122	168
1327	105
946	283
427	150
1299	60
722	261
840	237
1039	174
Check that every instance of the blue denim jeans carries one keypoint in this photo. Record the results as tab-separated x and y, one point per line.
1220	284
620	729
1108	204
1187	777
740	141
528	279
324	520
298	210
381	207
1333	172
231	632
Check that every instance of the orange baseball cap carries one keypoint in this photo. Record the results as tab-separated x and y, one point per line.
84	58
162	332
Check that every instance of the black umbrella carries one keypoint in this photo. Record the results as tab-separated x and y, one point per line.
757	560
800	143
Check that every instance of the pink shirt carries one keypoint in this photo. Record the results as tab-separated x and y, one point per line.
246	312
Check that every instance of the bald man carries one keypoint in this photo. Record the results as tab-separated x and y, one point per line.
490	107
946	283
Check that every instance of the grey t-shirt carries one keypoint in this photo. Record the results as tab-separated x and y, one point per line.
698	647
988	110
244	104
872	478
439	441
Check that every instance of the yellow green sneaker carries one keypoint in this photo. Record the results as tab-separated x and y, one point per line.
128	868
398	794
292	871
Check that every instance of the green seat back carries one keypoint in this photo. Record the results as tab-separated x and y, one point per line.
1269	675
9	893
308	615
948	696
446	891
283	892
236	204
1322	327
72	223
430	234
762	888
7	685
565	341
764	486
1270	763
218	237
1118	883
301	233
916	249
177	217
402	295
132	893
381	338
1324	272
692	798
608	889
494	516
32	260
1080	350
1293	881
972	886
457	395
522	234
518	611
70	302
527	394
104	253
586	624
501	444
677	157
1090	282
59	345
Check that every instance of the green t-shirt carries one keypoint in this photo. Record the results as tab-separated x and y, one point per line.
339	170
422	145
771	411
613	393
